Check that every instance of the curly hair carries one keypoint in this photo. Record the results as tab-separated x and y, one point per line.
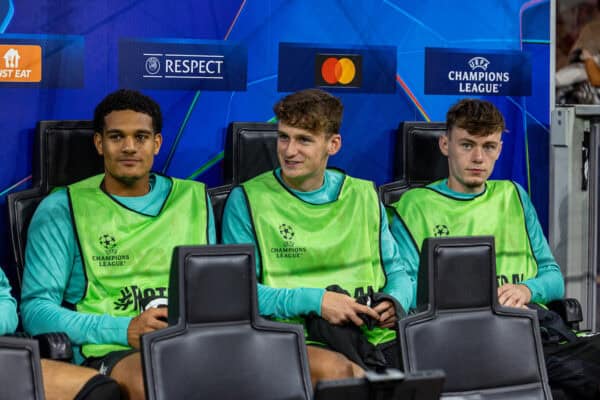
312	109
125	99
478	117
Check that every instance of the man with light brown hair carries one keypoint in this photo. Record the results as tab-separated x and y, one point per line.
316	228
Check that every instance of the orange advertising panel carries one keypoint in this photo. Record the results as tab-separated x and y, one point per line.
20	63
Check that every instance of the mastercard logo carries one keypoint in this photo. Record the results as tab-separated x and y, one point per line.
340	70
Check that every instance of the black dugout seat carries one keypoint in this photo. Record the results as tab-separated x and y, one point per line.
250	149
418	160
216	345
486	350
20	369
63	153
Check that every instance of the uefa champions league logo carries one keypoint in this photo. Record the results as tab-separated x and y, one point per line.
441	230
286	232
108	242
152	65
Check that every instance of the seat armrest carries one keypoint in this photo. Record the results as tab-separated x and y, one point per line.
569	310
55	346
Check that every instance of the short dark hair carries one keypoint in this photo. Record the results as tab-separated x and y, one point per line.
312	109
478	117
125	99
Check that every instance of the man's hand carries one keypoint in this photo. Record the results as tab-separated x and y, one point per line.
387	314
514	295
147	321
338	308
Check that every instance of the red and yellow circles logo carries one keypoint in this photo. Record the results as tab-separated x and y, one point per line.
338	70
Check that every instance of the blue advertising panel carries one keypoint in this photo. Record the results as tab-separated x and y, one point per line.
182	64
359	69
477	72
289	45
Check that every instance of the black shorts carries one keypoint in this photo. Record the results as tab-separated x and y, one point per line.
106	363
390	350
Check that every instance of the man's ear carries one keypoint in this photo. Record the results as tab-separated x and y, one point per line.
335	144
98	143
158	139
443	143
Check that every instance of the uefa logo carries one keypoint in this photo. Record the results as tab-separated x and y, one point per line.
152	65
479	63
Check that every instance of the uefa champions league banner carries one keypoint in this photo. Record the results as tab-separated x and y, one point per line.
182	64
470	72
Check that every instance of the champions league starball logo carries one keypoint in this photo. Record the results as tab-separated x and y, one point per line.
441	230
289	248
108	242
286	232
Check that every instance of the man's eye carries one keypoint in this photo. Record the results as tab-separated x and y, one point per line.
467	145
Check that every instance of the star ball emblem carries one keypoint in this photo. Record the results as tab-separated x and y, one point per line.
441	230
286	232
107	241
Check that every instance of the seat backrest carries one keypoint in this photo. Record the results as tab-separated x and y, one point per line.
21	206
63	153
250	149
217	347
484	348
20	369
218	196
418	158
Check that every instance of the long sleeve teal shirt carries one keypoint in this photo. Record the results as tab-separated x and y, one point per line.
289	303
8	307
54	272
548	284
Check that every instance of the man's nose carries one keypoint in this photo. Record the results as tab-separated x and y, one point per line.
291	148
477	154
128	144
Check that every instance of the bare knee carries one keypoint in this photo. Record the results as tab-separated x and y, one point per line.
327	365
128	373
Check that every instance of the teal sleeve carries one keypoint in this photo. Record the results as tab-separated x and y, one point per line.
399	283
212	233
408	252
548	284
53	274
272	302
8	307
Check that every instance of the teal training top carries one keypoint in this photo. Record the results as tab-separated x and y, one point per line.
548	285
286	303
54	273
8	307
